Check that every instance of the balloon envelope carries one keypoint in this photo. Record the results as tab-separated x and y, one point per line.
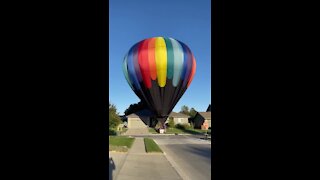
159	70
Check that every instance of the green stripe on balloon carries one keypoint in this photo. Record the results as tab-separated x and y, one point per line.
178	61
170	58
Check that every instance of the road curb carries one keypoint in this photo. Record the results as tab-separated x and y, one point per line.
175	167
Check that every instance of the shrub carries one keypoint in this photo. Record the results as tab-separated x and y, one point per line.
192	125
112	132
171	122
114	121
183	126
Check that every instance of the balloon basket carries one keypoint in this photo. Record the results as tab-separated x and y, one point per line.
161	131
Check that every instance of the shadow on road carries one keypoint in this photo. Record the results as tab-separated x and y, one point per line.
112	167
201	151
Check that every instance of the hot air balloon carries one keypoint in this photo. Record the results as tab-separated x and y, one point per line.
159	70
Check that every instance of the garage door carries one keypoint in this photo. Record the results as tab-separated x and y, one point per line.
209	123
135	123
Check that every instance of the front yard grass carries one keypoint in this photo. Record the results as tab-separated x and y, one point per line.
197	131
174	130
153	131
151	146
120	143
180	131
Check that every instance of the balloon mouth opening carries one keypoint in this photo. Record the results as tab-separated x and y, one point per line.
162	120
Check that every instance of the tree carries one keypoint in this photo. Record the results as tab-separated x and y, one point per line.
171	122
185	110
192	112
134	108
114	119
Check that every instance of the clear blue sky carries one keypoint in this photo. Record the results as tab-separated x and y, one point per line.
186	20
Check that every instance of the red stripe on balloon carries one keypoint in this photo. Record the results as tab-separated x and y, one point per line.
143	63
193	71
151	58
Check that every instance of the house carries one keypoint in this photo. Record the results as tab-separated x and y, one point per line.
145	118
178	118
202	119
140	119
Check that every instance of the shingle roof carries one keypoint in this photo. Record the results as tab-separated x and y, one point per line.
206	115
178	115
144	112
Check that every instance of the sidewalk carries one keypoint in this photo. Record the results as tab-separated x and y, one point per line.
139	165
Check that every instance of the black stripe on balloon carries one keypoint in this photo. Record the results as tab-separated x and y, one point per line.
176	94
168	96
143	97
149	99
156	96
183	90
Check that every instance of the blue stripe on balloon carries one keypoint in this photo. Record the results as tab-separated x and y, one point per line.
185	59
178	61
132	69
125	70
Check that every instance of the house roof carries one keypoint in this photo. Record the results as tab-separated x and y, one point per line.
144	112
209	108
206	115
178	115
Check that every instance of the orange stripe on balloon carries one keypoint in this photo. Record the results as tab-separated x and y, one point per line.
143	63
193	71
151	58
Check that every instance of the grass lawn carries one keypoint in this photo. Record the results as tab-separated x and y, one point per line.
120	143
153	131
174	130
151	146
196	131
180	131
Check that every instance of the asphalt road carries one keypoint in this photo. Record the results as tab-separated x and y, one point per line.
190	156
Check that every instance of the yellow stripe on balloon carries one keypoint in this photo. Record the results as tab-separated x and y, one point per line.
161	60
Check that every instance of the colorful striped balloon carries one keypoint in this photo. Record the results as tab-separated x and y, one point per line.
159	70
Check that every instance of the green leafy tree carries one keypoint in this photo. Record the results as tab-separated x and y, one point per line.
184	110
114	119
134	108
192	113
171	122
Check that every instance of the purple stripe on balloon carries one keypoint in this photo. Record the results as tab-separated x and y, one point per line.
185	60
132	69
136	61
189	65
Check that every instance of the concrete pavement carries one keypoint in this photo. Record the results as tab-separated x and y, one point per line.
190	156
116	161
140	165
140	131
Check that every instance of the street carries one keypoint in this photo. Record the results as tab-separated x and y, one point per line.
189	155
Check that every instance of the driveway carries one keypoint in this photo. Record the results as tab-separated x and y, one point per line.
190	156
